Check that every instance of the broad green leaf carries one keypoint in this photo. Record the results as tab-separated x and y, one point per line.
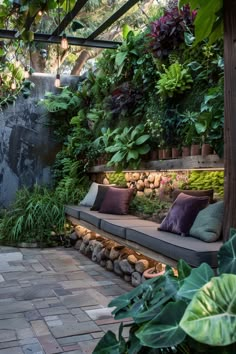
119	156
198	277
132	155
125	302
164	330
184	270
194	65
206	18
120	58
76	25
107	345
164	291
142	139
227	256
134	344
232	232
142	150
125	30
200	127
210	317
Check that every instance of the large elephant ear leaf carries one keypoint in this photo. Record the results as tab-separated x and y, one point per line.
108	345
164	331
184	270
198	277
227	255
210	317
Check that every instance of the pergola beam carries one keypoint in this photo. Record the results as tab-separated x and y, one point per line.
113	18
48	38
69	17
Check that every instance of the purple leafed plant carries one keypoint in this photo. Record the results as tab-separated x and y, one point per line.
167	32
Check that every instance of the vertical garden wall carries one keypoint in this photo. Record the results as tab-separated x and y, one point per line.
27	145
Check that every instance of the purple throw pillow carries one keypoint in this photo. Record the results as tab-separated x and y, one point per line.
183	213
194	193
116	201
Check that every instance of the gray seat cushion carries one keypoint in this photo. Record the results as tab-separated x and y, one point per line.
192	250
73	210
118	225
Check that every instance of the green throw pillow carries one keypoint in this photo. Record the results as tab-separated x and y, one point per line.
208	223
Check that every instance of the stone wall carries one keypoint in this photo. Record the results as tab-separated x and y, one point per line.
27	145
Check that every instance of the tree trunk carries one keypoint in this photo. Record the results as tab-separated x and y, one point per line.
230	116
37	62
81	60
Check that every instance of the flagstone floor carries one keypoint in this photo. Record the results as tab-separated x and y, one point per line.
54	301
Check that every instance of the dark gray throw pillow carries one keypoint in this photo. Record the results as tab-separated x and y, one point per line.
183	213
102	190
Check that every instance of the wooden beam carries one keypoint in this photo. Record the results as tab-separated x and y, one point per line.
69	17
48	38
209	162
230	116
113	18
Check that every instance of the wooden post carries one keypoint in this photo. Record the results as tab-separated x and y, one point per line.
230	116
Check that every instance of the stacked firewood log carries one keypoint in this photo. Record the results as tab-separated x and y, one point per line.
111	255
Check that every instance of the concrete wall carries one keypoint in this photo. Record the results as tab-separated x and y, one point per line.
27	145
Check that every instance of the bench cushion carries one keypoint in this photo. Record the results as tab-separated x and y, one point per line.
119	225
192	250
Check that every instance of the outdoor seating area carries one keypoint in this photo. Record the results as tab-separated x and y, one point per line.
117	176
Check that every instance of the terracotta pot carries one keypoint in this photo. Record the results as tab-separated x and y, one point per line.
175	153
149	273
206	149
160	154
195	149
185	151
166	154
154	155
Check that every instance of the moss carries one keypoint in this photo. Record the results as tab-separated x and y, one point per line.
117	178
207	180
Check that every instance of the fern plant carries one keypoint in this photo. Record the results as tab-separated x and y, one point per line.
175	80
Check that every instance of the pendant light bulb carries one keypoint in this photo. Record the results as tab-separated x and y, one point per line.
57	82
13	85
64	42
26	73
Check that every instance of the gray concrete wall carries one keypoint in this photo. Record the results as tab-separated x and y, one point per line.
27	145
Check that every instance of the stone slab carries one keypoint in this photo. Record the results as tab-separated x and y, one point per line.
49	344
73	328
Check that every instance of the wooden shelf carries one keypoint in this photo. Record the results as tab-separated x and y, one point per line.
184	163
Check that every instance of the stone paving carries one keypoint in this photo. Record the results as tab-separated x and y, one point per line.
54	301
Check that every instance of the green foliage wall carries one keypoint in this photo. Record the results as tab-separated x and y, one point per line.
207	180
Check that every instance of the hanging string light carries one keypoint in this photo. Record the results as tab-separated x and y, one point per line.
64	41
26	72
13	85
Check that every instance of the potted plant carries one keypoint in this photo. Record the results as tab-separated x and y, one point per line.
156	271
189	136
154	128
128	147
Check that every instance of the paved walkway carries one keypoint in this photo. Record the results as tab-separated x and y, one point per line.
54	301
